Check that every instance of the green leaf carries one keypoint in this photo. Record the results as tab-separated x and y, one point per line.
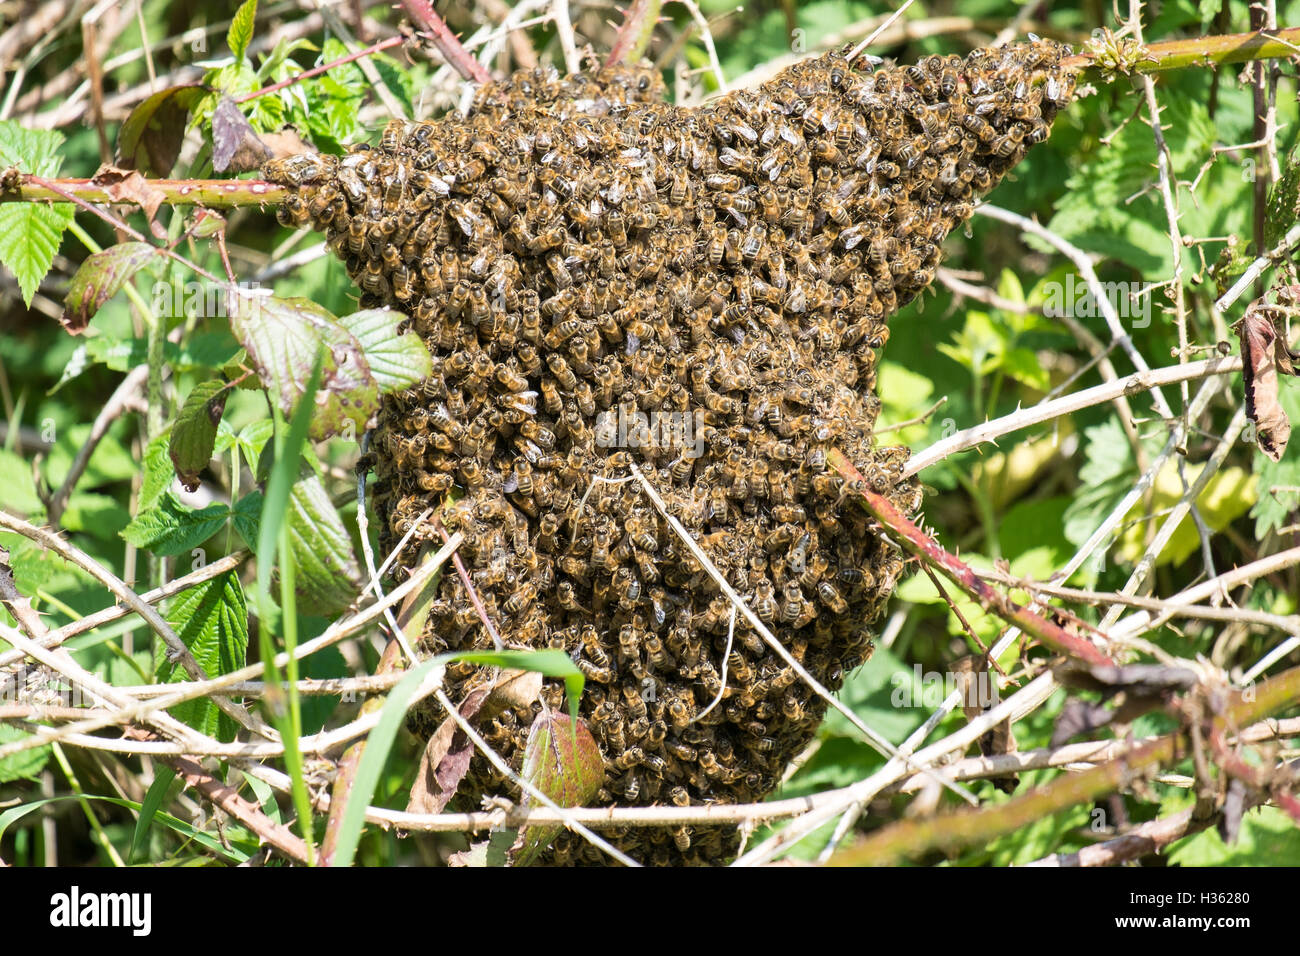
212	619
246	516
551	663
328	577
24	765
1279	481
240	33
30	232
283	338
234	854
171	528
151	135
1268	837
158	472
194	435
1283	202
396	361
99	278
253	438
17	486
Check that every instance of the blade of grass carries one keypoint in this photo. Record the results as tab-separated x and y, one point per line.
149	808
11	816
378	743
282	709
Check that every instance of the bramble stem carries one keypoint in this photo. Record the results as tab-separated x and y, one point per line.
634	35
421	11
913	539
1202	51
951	831
216	193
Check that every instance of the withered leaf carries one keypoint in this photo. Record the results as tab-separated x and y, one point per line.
1264	354
195	433
1079	717
125	185
979	690
99	278
151	136
446	759
235	146
286	142
1144	680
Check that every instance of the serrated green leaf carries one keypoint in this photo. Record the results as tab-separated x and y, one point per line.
246	516
30	233
1283	202
151	135
194	435
240	33
396	361
17	486
283	338
24	765
99	278
1268	837
158	472
253	438
171	528
212	619
328	577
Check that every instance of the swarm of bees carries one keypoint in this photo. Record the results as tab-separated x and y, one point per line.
606	279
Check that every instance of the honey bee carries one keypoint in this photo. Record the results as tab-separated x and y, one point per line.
299	169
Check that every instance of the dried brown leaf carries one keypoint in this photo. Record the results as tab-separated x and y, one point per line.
127	185
1264	354
446	759
235	146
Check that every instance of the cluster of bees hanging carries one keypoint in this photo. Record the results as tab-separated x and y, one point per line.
606	279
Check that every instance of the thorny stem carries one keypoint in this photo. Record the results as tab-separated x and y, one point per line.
1201	51
421	12
215	193
323	68
928	550
634	35
963	828
631	41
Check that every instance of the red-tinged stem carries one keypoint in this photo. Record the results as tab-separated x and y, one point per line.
318	70
216	193
952	831
929	551
421	12
115	222
634	35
